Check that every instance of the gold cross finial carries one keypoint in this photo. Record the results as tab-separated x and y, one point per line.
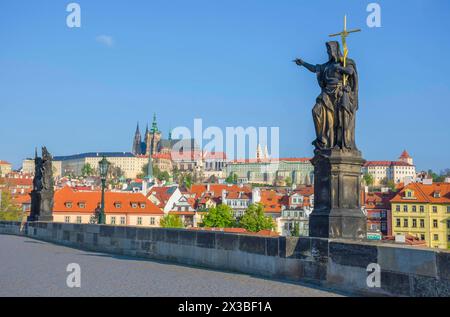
344	34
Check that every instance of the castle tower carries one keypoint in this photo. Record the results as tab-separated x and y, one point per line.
406	158
137	150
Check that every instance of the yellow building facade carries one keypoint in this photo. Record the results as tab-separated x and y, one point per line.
423	211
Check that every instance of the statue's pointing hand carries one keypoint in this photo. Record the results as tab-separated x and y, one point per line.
299	62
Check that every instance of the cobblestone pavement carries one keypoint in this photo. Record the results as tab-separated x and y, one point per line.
35	268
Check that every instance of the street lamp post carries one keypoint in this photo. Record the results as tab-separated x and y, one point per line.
103	167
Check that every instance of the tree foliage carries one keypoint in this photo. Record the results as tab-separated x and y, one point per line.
232	178
219	217
254	219
295	231
87	170
171	221
9	211
368	179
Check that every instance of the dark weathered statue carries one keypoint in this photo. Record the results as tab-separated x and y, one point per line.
42	193
336	106
337	161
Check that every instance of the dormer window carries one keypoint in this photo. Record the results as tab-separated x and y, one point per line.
409	194
68	204
134	205
437	194
117	204
82	205
142	205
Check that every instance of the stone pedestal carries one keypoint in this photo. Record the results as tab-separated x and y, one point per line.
41	206
337	196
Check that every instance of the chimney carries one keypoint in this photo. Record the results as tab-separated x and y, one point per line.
447	180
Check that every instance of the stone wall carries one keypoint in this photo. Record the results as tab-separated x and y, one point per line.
342	265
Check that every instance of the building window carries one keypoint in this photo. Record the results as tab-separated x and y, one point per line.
67	219
435	223
152	220
142	206
117	205
448	238
122	220
448	209
414	208
82	205
422	237
78	219
139	220
448	224
414	224
422	209
397	208
434	209
405	208
436	237
405	223
397	223
113	220
68	205
422	223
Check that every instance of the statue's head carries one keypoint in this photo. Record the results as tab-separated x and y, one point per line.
334	51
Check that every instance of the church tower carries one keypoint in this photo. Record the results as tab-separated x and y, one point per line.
137	142
153	138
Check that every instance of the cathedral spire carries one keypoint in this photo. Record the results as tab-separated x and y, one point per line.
137	141
154	124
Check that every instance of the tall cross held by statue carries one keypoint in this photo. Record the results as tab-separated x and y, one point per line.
344	35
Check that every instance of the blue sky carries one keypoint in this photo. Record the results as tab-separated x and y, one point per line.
227	62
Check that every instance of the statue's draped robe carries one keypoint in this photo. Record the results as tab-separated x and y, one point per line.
348	105
334	112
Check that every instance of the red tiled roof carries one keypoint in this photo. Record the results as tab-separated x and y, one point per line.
271	200
162	194
92	199
385	163
4	163
215	190
405	155
425	193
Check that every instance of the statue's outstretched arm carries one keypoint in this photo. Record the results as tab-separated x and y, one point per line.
311	68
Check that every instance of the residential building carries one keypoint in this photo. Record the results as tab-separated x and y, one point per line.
164	197
401	171
238	200
17	184
5	168
377	206
185	209
296	208
121	208
423	210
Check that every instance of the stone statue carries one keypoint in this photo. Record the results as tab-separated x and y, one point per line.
336	106
42	193
337	161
